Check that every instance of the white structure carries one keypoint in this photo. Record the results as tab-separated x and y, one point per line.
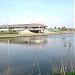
24	28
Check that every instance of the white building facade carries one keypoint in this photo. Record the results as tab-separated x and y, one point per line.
24	28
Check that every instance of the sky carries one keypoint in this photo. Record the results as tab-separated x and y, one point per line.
53	13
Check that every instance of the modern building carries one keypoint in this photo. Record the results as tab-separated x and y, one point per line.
22	28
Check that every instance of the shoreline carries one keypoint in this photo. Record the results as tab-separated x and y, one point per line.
2	36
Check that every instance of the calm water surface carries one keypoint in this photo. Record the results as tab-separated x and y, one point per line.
40	55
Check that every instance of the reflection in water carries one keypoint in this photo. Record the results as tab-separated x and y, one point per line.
8	59
26	40
22	58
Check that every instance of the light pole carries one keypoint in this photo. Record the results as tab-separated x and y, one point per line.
7	22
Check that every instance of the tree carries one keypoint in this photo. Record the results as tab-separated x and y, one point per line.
55	27
63	28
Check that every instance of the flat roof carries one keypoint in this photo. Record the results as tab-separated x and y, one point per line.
24	25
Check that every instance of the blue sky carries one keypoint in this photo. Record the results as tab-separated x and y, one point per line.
50	12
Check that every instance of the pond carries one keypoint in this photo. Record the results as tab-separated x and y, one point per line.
38	55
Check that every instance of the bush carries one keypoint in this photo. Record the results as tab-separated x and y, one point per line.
8	32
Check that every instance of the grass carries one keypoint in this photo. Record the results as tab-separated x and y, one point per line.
21	35
14	34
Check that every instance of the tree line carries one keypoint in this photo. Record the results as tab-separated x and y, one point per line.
63	28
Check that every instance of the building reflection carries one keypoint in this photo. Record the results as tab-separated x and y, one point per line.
25	40
35	41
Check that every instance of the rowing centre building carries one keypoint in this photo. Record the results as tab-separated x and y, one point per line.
24	28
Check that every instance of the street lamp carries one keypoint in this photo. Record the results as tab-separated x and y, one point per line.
7	22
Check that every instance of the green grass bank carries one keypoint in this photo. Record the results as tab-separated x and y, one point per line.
13	35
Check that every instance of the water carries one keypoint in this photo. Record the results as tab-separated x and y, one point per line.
39	55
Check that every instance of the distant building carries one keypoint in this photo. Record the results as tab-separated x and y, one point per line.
37	28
